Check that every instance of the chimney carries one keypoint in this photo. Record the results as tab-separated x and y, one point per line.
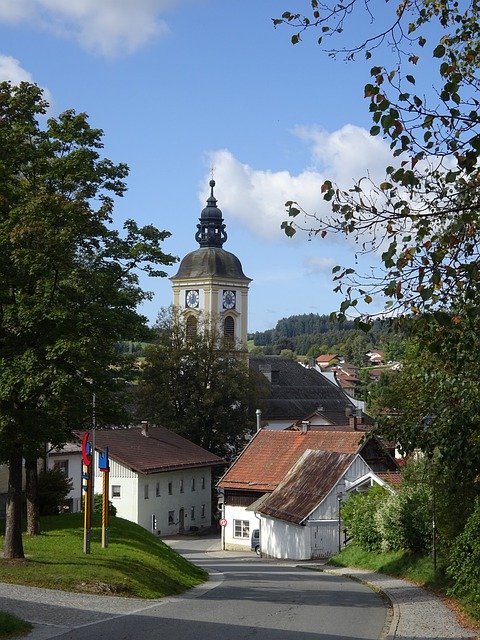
305	426
259	418
352	422
144	424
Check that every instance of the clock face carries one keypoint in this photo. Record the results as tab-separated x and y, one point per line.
192	298
229	299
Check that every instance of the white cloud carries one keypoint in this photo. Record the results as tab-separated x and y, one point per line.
11	70
317	265
257	196
108	27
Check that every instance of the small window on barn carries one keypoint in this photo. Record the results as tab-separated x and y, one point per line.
229	328
193	484
170	488
115	491
171	517
145	491
203	511
191	327
157	490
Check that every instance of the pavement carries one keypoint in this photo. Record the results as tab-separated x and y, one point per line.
415	613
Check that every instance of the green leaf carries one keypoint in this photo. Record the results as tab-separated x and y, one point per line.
410	79
439	51
375	130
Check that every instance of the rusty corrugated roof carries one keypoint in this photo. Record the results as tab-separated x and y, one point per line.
306	485
268	457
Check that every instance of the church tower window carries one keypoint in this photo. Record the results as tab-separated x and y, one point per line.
191	327
229	328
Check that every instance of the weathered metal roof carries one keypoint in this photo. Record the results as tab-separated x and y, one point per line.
306	485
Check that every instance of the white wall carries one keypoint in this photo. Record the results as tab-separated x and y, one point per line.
284	540
198	499
231	542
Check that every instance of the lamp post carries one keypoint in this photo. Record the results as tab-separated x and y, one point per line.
339	498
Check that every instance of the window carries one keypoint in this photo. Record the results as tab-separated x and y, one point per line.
229	328
191	327
170	488
145	492
62	465
192	513
203	482
181	485
171	517
157	489
193	484
241	529
203	511
154	522
115	491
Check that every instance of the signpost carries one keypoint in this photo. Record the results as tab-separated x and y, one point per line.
222	522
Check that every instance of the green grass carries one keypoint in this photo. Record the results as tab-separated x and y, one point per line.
418	569
134	564
12	626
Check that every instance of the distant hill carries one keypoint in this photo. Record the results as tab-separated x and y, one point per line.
311	334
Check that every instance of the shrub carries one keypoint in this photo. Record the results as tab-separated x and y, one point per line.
359	516
464	565
53	489
98	503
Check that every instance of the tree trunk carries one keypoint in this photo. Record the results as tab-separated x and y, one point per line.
33	507
13	547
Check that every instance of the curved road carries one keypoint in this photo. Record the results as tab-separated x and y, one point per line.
247	598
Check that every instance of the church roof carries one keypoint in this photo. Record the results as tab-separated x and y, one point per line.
210	261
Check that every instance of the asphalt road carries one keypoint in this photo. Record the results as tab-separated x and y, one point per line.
247	598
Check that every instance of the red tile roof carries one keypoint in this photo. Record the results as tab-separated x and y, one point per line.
161	450
268	457
393	478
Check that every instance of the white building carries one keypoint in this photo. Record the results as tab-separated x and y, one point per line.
158	479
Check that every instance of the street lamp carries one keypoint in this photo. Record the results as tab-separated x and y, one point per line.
339	498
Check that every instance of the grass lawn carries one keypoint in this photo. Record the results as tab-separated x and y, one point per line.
418	569
134	564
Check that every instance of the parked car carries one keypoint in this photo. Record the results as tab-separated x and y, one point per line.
255	542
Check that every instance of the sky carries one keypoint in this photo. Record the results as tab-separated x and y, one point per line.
182	88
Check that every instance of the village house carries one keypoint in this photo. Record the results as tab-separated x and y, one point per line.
158	479
266	462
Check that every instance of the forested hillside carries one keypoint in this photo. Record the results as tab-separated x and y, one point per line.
312	334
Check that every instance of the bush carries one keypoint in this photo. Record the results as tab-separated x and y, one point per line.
359	516
98	503
53	489
464	565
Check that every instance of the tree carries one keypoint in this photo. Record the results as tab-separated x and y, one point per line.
432	404
198	386
69	285
53	489
424	216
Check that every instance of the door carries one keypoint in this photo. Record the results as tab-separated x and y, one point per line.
323	539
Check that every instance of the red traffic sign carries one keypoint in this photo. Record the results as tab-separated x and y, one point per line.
222	522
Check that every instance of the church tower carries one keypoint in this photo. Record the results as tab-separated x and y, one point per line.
210	280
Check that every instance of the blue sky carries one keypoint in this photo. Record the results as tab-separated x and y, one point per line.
180	86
